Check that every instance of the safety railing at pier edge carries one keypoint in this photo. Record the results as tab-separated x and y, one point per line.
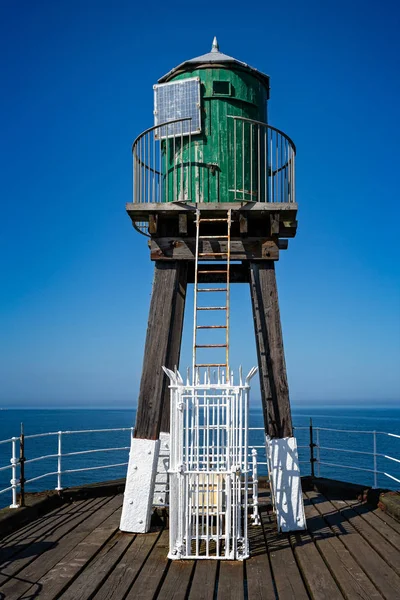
316	450
19	463
313	452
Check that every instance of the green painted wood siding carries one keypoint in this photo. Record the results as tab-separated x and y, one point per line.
215	145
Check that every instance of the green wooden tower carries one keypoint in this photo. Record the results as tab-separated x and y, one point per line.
225	88
211	156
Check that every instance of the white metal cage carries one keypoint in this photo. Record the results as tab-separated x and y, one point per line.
209	468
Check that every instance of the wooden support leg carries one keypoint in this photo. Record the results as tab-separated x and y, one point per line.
162	348
281	446
271	357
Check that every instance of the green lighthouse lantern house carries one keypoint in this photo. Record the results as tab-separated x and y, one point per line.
214	192
211	118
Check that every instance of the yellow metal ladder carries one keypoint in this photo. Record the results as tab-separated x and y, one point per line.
201	267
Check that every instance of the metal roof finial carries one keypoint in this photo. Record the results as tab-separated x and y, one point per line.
215	46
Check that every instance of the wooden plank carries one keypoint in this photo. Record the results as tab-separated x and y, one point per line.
274	223
27	553
153	221
349	576
390	502
378	571
390	554
151	575
162	348
203	583
177	249
96	573
58	547
34	531
125	572
30	526
231	580
270	249
288	581
270	352
367	512
258	569
55	581
177	580
243	224
183	221
141	209
316	574
389	520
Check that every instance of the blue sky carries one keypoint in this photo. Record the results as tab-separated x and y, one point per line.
76	278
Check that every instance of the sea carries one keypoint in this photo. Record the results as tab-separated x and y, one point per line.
348	423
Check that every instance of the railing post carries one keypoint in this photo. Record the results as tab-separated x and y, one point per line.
318	453
312	459
255	515
22	466
59	464
14	481
375	463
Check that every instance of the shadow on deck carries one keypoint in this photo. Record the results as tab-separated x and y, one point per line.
350	550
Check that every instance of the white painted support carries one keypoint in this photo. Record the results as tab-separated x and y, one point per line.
161	493
283	464
139	488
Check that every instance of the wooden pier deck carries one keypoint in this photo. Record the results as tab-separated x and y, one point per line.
76	552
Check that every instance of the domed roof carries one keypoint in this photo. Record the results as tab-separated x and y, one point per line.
214	58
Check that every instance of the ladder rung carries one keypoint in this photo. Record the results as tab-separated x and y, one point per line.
226	272
213	237
213	290
211	345
210	326
212	253
211	307
211	365
209	220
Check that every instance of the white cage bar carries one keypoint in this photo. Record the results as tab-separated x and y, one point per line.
209	468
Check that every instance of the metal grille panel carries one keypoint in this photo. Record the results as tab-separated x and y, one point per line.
177	100
209	469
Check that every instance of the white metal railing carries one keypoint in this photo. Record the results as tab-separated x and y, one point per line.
163	157
315	457
263	162
18	460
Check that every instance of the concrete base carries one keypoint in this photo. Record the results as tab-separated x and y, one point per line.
161	494
283	464
139	489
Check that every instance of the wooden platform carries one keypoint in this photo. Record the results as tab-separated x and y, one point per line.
77	552
259	230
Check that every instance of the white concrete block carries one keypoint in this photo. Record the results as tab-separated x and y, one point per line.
161	495
139	488
285	480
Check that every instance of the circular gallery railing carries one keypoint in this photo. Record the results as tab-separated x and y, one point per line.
255	162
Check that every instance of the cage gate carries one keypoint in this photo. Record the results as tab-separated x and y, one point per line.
208	474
